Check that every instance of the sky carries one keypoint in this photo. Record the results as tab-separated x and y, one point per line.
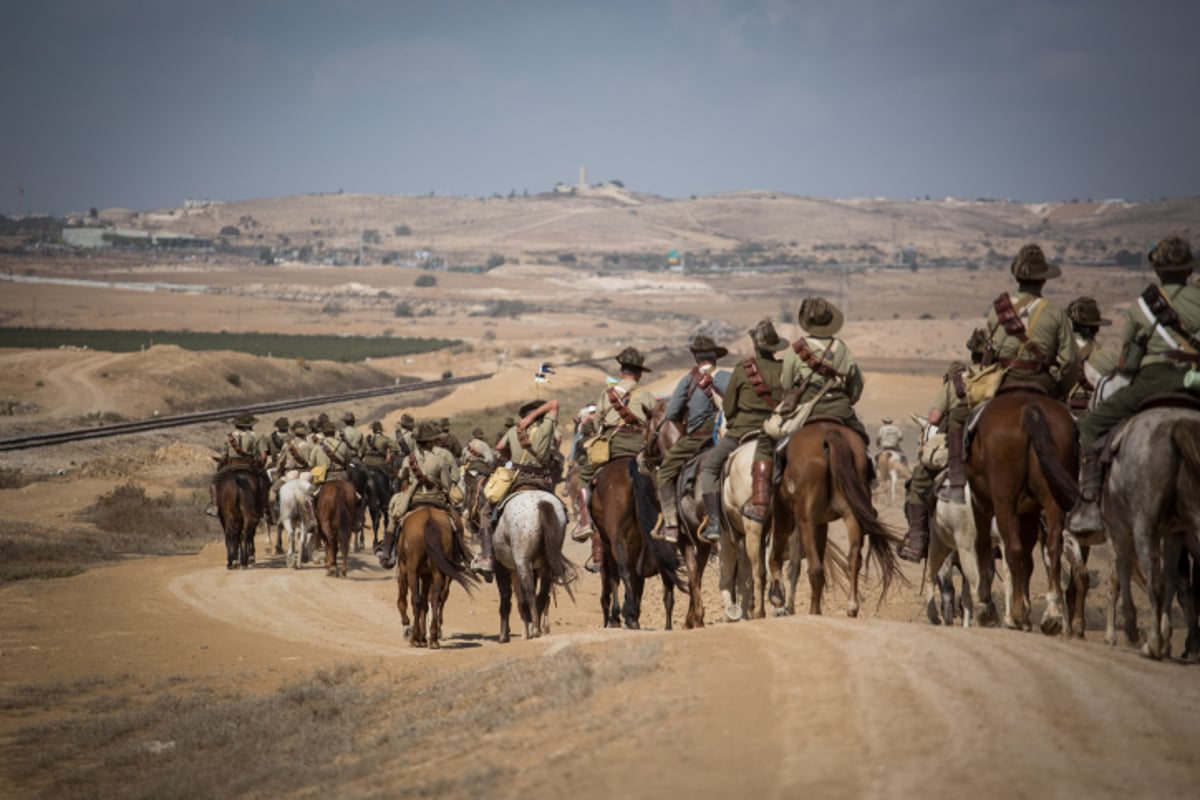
143	103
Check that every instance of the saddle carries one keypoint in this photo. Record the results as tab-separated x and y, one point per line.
1019	386
1112	442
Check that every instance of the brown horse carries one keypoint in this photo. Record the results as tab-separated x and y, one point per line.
1021	466
238	493
428	560
825	479
661	435
336	508
624	510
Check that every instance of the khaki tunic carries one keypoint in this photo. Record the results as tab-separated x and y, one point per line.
272	445
378	449
244	449
406	442
889	437
438	465
1054	340
296	455
353	438
334	455
542	437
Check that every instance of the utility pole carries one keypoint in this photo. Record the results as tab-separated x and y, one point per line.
21	199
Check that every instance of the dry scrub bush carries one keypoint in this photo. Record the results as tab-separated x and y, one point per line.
150	524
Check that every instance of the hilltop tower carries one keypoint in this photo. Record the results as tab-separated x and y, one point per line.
582	175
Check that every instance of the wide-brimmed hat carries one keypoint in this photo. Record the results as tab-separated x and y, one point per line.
445	423
704	345
1030	264
820	317
765	338
327	428
478	433
281	424
407	421
428	432
348	418
377	426
244	420
632	357
1172	256
525	409
1085	311
887	420
300	428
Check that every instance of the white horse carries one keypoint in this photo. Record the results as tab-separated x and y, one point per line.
528	541
296	516
1152	507
953	534
742	554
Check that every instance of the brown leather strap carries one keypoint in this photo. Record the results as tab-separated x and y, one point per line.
960	384
1010	317
301	460
620	407
237	447
814	362
421	477
333	456
757	382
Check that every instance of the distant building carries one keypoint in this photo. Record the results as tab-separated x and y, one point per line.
109	237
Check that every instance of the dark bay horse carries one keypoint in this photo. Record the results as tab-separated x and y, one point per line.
379	494
238	493
624	510
336	507
429	560
358	477
528	546
825	479
1022	463
661	435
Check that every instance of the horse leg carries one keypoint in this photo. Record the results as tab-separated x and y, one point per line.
696	566
1185	593
854	561
402	583
783	541
1052	621
545	586
437	599
1020	564
1077	586
938	552
527	598
668	598
758	565
420	603
505	588
251	525
980	553
814	551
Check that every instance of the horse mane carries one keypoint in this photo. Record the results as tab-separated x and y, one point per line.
433	548
562	571
1062	483
844	474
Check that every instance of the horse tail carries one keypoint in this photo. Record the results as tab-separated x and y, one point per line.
664	553
247	494
562	571
881	541
441	561
1186	438
345	518
1062	483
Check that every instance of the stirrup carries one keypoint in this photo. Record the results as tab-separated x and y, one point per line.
211	511
581	534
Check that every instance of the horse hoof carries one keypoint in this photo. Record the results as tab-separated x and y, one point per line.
931	613
1052	626
733	613
504	639
780	612
435	645
278	550
775	595
632	625
852	613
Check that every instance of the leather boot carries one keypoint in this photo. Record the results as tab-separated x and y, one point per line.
583	526
212	500
759	505
916	541
958	476
593	564
712	522
1085	518
669	529
386	551
483	563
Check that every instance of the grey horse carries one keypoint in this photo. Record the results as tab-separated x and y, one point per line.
528	542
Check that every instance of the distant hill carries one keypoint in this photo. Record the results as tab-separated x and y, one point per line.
764	226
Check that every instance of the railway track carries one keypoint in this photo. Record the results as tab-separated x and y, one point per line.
159	423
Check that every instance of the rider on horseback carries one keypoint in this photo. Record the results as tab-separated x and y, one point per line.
1095	360
889	436
351	435
448	440
405	441
692	404
528	449
621	413
1161	351
378	448
1029	336
241	450
431	475
820	369
332	453
753	392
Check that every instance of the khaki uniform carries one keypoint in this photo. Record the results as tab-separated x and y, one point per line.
295	456
353	438
406	442
1048	328
378	450
431	474
745	412
690	402
888	437
626	438
271	445
839	400
1095	361
954	412
333	454
240	451
1158	372
533	463
478	457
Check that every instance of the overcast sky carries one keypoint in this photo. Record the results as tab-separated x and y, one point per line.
142	103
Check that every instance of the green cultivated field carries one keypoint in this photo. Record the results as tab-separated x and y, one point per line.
312	347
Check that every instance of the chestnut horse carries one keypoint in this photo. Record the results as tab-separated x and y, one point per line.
1021	466
238	491
429	559
624	511
827	478
336	508
661	435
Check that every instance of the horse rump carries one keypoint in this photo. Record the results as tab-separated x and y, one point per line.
436	553
562	571
881	540
1061	482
